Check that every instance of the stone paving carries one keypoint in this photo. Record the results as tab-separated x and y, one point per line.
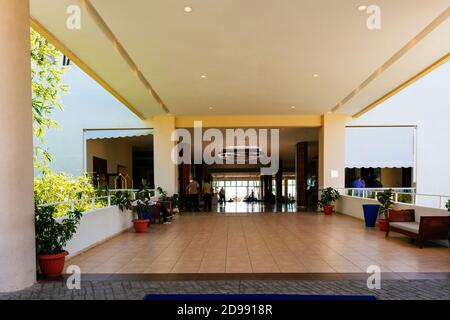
430	289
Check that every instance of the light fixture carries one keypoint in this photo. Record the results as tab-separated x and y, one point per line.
315	75
203	76
362	8
292	107
210	108
187	9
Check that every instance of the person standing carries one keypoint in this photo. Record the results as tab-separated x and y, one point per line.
222	195
193	190
207	195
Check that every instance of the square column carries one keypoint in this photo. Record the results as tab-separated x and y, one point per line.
17	243
332	151
165	169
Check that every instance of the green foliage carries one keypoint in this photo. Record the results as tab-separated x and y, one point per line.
123	200
328	196
51	235
385	198
144	192
163	196
447	205
59	187
46	75
141	207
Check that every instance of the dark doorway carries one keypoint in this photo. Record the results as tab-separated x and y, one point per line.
100	167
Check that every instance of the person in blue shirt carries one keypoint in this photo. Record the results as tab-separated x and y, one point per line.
360	184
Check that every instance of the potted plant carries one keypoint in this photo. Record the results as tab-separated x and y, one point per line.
51	238
174	199
327	198
385	199
142	209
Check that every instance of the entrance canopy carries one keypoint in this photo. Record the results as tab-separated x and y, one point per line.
110	134
380	147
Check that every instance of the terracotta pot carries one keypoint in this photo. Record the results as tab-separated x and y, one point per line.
328	209
52	265
141	225
383	224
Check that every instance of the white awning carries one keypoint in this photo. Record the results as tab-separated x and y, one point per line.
110	134
380	147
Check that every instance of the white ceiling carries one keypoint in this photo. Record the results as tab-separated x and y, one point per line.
259	55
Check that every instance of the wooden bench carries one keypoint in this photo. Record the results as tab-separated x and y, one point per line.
428	228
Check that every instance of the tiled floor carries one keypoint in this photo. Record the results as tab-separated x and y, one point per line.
261	243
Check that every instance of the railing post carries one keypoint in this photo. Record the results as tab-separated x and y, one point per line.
109	200
93	203
72	205
396	197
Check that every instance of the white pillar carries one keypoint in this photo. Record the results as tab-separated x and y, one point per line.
17	244
332	151
165	171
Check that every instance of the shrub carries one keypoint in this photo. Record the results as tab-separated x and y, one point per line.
385	198
328	196
58	187
51	235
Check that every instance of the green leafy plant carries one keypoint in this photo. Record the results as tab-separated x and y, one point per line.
385	198
142	207
46	76
144	192
123	199
52	235
447	205
163	196
328	196
59	187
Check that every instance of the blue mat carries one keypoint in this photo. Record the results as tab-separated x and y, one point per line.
252	297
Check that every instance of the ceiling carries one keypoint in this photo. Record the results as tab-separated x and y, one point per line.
259	56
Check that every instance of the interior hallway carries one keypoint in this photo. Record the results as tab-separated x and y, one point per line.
261	243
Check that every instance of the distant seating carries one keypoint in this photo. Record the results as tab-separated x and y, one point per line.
429	227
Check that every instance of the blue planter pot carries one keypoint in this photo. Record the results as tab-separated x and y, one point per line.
370	214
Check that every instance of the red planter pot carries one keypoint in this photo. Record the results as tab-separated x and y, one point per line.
383	224
141	225
328	209
52	265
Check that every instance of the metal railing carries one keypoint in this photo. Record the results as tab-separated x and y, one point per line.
400	195
96	199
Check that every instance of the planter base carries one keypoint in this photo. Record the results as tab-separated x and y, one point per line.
52	265
141	225
328	210
383	224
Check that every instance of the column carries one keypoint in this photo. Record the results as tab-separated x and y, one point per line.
279	183
17	244
301	170
332	151
165	169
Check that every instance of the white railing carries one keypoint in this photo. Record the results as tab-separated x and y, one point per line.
93	200
401	195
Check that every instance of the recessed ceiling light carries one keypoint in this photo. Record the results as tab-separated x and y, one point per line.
362	8
203	76
187	9
292	107
210	108
315	75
